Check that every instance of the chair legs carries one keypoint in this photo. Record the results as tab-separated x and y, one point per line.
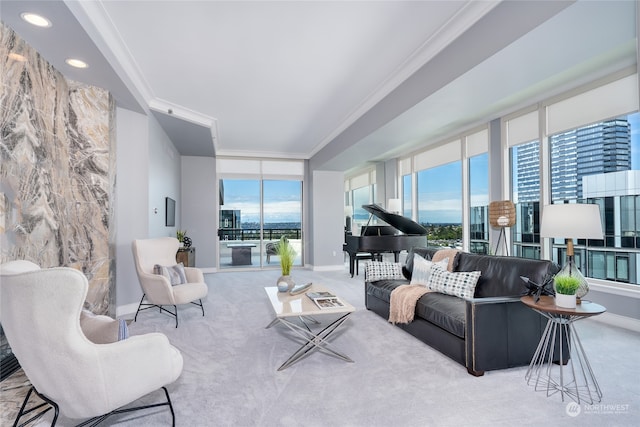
91	422
199	304
145	306
23	411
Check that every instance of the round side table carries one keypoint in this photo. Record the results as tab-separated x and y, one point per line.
576	378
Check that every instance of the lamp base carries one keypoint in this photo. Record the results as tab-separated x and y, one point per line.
570	269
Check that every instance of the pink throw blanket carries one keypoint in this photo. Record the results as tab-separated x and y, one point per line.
403	302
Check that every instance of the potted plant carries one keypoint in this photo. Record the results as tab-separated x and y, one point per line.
180	235
566	287
287	255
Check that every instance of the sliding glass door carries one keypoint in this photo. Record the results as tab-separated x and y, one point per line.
254	214
281	217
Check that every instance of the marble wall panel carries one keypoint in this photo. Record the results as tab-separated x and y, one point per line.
56	172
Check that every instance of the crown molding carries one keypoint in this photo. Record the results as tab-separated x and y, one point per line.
264	155
95	20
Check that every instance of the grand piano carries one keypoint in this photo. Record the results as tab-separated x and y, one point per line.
379	239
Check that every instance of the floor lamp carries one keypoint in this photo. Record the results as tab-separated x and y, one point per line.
572	221
502	214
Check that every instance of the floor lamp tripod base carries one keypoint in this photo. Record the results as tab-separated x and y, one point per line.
502	238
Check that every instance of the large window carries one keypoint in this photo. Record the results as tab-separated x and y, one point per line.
479	204
359	190
361	196
407	191
583	148
525	194
598	163
256	208
440	204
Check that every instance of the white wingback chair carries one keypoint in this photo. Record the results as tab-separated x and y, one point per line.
41	316
157	289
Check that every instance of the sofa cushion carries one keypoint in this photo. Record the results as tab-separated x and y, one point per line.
376	270
460	284
422	269
501	275
382	288
446	311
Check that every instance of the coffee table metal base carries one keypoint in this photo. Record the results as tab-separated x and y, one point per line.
313	341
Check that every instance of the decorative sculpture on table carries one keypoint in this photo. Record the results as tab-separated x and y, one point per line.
536	290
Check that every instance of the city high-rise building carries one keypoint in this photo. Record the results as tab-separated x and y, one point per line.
593	149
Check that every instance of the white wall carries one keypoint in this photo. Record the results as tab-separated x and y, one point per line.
131	204
199	207
164	180
148	170
327	228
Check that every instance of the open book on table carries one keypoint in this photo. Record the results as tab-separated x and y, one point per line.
325	300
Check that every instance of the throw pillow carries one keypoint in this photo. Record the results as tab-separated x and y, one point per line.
175	274
460	284
422	269
377	270
452	254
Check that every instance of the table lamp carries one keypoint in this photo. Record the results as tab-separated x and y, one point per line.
572	221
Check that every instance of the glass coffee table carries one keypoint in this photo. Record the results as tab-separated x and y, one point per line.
294	311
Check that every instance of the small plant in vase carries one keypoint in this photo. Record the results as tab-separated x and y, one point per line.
287	255
566	287
180	235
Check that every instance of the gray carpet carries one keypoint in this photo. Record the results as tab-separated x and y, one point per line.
230	375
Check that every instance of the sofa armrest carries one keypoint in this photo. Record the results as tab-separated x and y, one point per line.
493	300
501	332
194	275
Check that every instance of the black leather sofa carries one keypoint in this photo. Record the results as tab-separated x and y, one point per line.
493	331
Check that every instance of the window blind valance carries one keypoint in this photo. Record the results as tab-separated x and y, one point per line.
446	153
604	102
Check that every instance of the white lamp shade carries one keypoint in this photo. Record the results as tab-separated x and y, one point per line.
394	206
572	221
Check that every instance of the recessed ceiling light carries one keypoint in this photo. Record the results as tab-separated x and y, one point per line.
37	20
76	63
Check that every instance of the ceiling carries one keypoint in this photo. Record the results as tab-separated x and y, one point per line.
342	83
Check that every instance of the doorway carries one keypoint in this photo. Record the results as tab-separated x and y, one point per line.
254	214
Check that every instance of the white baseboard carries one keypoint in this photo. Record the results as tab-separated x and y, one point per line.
619	321
337	267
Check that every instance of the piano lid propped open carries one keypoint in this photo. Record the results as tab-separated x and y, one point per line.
404	224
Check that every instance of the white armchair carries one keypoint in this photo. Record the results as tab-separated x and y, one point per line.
41	317
157	289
